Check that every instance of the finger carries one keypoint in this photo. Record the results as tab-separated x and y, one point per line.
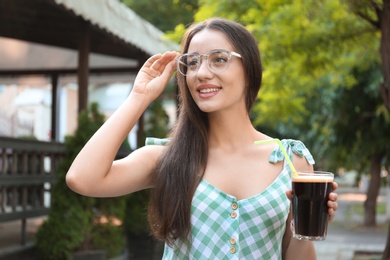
335	186
289	194
149	62
332	205
165	59
331	213
169	69
333	196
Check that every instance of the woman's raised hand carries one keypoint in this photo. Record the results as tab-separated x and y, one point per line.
155	74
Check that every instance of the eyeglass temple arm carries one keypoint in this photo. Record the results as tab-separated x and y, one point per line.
178	60
235	54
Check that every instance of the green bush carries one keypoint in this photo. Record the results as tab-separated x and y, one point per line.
136	222
74	222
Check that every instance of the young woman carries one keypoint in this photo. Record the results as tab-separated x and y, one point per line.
215	193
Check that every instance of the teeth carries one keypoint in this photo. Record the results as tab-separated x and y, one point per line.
208	90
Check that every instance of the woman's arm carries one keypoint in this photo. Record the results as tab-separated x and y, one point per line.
94	172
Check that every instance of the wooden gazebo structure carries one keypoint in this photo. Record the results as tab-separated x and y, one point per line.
105	27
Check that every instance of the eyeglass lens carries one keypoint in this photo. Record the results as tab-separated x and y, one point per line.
217	61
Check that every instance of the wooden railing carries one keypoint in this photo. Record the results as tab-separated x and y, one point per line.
27	172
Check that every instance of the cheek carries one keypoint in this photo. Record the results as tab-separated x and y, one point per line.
190	81
237	74
188	88
239	82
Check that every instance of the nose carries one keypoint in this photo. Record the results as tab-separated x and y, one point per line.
204	69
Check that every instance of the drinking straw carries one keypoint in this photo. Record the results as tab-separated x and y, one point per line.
283	151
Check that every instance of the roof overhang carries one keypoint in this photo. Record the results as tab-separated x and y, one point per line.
114	29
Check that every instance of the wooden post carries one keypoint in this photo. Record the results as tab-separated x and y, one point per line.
83	66
54	107
23	234
140	132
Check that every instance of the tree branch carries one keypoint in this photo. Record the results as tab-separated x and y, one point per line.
376	24
378	10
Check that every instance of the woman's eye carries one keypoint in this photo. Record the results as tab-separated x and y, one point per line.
192	63
220	60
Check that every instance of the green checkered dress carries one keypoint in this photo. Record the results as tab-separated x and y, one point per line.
226	228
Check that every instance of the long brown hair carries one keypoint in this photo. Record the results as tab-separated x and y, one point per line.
182	165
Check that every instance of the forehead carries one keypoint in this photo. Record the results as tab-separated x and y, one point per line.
207	40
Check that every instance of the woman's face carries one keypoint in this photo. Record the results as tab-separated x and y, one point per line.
216	91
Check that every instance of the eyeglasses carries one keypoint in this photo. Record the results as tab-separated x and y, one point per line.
217	60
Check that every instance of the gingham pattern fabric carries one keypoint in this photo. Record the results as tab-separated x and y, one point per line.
156	141
291	145
226	228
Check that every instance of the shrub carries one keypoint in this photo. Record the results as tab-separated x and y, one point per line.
75	222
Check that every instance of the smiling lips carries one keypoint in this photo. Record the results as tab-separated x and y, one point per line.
208	90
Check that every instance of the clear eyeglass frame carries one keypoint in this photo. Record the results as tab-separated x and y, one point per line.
217	61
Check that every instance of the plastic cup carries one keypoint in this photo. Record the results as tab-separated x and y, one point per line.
310	200
309	204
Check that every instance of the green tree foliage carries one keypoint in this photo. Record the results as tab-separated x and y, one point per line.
347	124
75	222
305	46
308	49
164	14
360	120
377	14
361	123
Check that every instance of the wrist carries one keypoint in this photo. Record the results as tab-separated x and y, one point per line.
140	100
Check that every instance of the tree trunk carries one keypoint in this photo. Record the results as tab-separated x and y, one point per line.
385	89
384	19
373	190
387	198
386	253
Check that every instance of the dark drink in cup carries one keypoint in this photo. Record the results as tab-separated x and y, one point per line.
309	204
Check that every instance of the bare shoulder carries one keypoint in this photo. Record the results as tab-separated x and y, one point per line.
301	164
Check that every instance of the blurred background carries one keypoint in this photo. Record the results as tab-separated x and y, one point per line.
66	65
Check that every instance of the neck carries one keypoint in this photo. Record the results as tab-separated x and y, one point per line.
231	131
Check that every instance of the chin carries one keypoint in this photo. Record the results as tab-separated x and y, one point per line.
208	109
